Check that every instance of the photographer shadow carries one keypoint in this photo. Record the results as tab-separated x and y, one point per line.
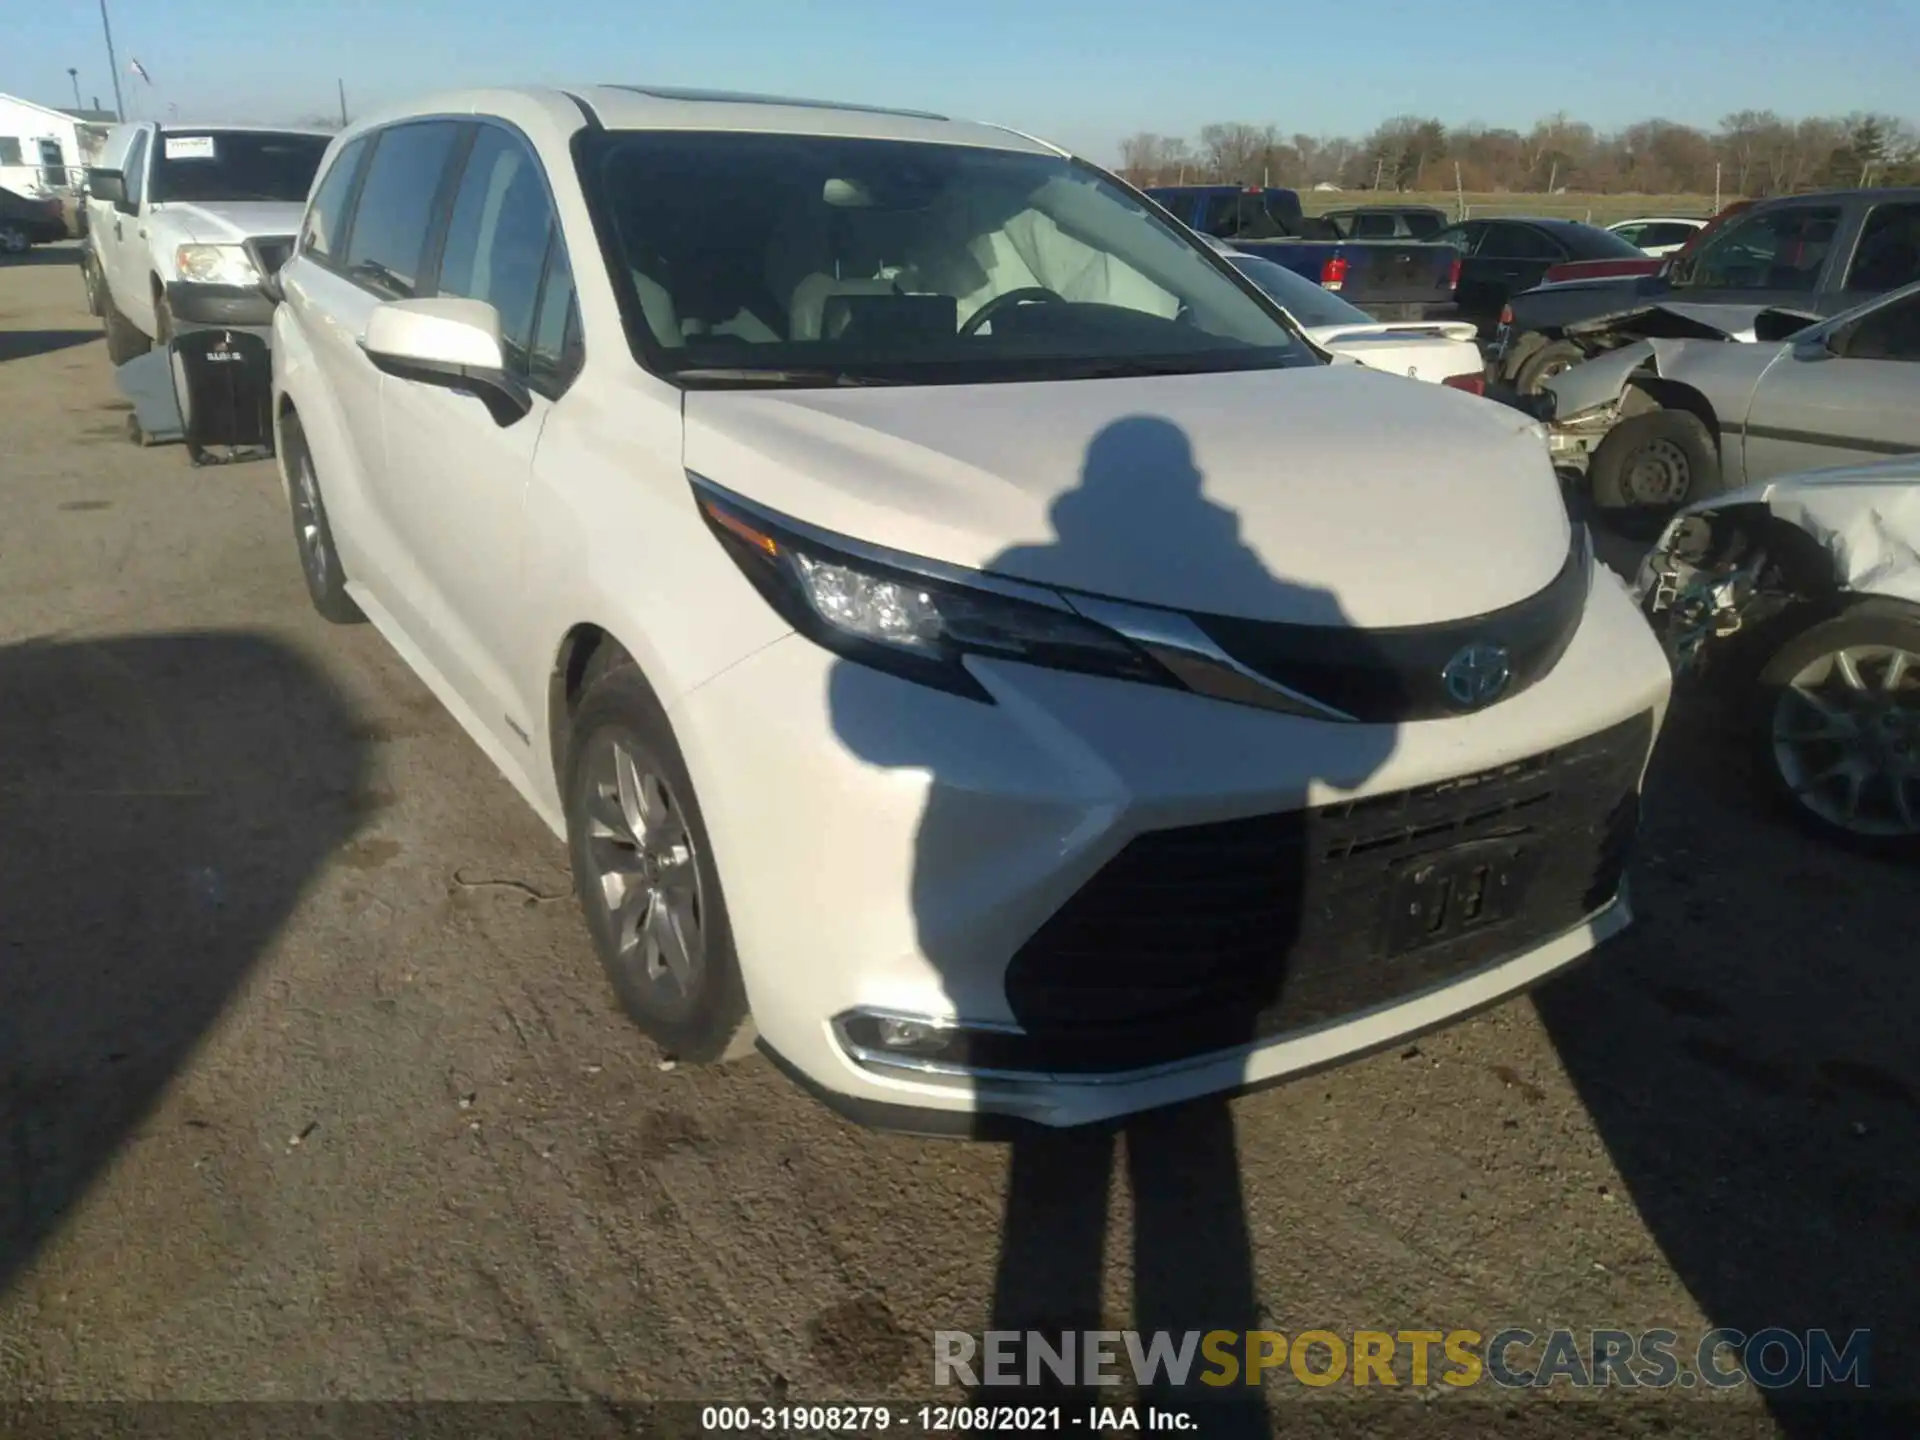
1195	941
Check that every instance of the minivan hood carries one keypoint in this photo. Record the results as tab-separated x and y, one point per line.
228	222
1325	495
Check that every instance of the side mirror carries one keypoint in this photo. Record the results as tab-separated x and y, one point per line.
108	185
1772	326
454	344
1823	346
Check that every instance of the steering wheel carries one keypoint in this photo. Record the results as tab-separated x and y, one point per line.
1026	295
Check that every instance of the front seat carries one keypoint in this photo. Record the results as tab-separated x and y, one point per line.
808	260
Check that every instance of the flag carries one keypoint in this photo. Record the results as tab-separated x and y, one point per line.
140	70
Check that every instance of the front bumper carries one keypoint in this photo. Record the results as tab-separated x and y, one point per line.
220	307
888	848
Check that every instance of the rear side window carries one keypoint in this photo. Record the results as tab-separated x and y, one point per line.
1664	235
390	221
327	216
1373	227
1519	242
1888	255
1422	226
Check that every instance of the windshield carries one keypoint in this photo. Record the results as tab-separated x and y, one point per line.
796	259
1299	296
235	165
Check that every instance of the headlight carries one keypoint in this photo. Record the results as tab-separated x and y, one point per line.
916	619
215	265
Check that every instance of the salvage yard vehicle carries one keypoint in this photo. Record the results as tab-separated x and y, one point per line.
1501	257
1797	605
186	222
1388	279
1815	254
29	220
1661	423
1441	351
1387	222
967	638
1658	235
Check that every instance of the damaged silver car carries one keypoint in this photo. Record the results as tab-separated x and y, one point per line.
1661	423
1798	602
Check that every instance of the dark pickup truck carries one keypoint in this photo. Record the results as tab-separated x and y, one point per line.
1814	254
1387	279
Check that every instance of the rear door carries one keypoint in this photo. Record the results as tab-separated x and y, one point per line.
457	479
346	266
1856	401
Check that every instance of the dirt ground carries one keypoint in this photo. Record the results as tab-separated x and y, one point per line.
309	1089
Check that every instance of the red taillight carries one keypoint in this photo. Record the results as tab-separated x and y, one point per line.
1333	272
1453	274
1555	274
1473	382
1506	314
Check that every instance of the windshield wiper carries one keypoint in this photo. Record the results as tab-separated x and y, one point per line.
747	375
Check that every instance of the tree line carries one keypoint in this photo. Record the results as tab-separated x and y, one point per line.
1750	153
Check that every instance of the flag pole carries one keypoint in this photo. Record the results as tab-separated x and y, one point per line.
113	65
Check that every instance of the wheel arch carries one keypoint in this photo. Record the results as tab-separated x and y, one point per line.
1648	391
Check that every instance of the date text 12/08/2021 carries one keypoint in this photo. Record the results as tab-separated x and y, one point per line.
939	1419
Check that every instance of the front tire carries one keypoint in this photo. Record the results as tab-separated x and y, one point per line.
1650	465
312	535
1837	725
1554	358
90	279
124	340
644	872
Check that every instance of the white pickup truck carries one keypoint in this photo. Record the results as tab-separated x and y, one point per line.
184	222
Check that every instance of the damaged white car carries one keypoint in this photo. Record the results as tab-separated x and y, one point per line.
1799	600
1661	423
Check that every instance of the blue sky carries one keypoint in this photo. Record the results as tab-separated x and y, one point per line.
1080	72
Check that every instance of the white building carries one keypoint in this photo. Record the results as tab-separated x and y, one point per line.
43	149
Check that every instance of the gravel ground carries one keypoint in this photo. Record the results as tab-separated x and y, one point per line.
308	1091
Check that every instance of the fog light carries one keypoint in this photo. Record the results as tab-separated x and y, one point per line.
906	1035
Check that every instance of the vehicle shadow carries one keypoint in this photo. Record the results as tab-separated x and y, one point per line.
60	253
1182	948
25	344
1748	1063
164	799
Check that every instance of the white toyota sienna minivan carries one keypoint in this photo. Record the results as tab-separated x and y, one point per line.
968	640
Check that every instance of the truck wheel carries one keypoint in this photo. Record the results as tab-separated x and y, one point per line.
1554	358
90	278
124	340
1648	466
1837	724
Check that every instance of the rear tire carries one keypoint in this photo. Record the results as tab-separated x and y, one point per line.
1847	742
643	869
124	341
1650	465
312	535
1551	359
90	278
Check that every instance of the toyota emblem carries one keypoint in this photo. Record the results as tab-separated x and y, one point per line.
1478	675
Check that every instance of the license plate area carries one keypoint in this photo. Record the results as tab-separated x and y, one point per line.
1449	893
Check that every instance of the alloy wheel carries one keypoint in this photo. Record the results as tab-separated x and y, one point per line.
13	240
1846	739
647	878
308	525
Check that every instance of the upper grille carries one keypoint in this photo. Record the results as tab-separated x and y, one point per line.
1393	675
1211	936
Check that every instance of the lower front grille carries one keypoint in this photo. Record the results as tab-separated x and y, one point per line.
1211	936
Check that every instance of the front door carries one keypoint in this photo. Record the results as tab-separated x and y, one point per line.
1842	397
457	479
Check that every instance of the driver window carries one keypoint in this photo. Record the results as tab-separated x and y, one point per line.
1890	333
136	171
1776	250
